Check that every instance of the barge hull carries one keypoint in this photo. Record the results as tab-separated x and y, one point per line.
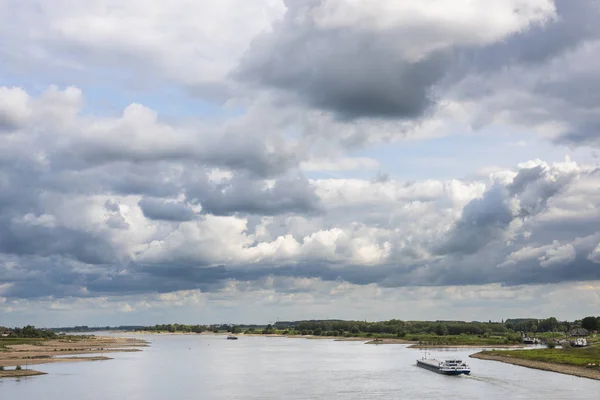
440	371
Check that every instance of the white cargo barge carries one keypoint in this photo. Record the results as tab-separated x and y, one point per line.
446	367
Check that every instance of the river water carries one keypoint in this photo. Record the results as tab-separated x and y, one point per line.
200	367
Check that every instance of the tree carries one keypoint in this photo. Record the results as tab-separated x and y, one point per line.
268	330
441	330
589	323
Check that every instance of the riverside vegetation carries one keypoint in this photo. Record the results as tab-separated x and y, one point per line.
420	333
582	362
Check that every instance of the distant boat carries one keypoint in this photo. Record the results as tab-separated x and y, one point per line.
446	367
231	337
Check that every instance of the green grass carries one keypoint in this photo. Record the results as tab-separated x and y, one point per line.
576	356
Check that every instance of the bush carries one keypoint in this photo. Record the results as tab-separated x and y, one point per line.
1	368
566	346
551	344
18	368
401	334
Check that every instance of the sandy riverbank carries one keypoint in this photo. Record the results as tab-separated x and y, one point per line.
582	372
18	374
60	350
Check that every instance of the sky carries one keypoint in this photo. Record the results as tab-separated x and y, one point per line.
240	161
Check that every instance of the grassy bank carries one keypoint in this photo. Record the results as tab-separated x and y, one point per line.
584	362
581	357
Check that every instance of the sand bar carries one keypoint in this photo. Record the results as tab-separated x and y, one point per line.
67	350
11	373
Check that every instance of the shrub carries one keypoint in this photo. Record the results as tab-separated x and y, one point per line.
18	368
1	368
551	344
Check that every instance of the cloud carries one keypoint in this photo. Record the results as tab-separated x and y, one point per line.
372	59
542	79
14	108
594	256
240	194
166	210
482	221
131	44
387	233
110	198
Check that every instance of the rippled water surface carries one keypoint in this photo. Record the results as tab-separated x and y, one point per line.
211	367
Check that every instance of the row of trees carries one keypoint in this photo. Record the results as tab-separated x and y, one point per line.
28	331
176	328
396	327
393	326
591	323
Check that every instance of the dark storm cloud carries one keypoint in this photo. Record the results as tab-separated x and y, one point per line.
352	72
356	72
22	238
166	210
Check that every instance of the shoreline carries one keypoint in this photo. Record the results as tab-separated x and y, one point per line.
573	370
367	340
467	346
62	350
11	373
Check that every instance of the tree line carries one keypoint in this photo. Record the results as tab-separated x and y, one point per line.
392	327
28	331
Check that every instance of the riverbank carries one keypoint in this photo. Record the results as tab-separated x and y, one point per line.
467	346
366	339
12	373
68	349
575	370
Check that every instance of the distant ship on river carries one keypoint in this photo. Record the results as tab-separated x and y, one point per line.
447	367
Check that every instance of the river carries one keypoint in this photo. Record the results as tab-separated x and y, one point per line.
198	367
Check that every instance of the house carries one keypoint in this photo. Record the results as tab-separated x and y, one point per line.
580	332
